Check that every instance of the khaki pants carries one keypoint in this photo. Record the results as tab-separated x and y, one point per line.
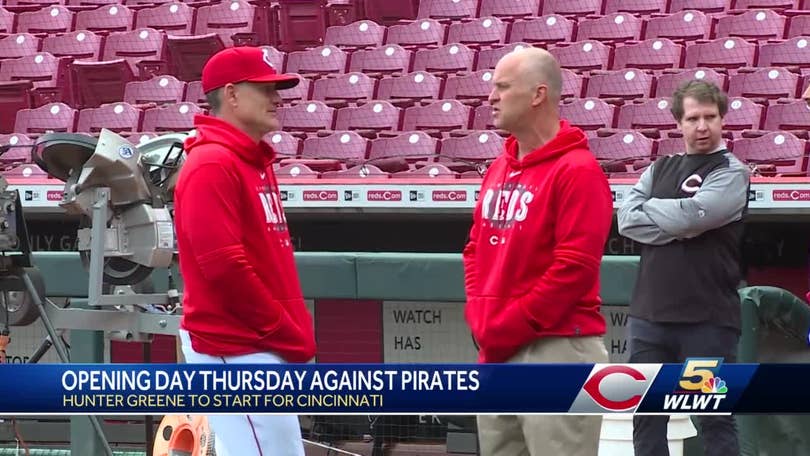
541	435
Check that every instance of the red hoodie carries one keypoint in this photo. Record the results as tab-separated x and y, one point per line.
539	230
241	289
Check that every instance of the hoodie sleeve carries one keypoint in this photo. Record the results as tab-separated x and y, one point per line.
468	255
636	224
211	222
584	216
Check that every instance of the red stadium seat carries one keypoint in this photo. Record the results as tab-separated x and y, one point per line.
472	89
317	62
752	25
652	54
438	117
232	21
346	146
478	33
46	21
285	144
19	45
793	115
19	149
344	89
42	74
142	49
78	45
589	114
725	53
572	84
194	93
743	114
447	10
6	21
118	117
624	151
111	18
639	7
579	8
390	59
171	118
386	12
782	150
543	31
358	35
163	89
409	89
509	10
791	52
430	171
306	117
769	4
482	118
626	84
477	146
299	93
448	59
488	58
706	6
370	117
583	55
653	114
49	118
688	25
765	83
613	28
26	171
670	146
296	170
174	18
421	34
412	146
799	26
669	81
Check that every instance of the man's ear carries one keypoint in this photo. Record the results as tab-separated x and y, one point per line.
229	95
540	95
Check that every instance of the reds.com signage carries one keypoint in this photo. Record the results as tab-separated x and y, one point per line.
384	195
450	195
320	195
791	195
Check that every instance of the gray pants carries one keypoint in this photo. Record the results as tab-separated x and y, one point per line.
541	435
673	343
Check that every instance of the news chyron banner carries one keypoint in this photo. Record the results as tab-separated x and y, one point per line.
698	386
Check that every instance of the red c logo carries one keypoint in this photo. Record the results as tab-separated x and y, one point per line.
592	388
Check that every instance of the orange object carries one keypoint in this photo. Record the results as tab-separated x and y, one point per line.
184	435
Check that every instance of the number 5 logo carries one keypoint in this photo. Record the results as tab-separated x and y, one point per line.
696	371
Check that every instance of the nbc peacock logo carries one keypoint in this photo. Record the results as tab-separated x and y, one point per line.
714	385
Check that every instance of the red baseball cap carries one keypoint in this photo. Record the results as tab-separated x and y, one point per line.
243	64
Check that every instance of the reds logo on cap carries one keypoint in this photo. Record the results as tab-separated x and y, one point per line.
243	64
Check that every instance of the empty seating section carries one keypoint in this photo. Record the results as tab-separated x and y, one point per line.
406	83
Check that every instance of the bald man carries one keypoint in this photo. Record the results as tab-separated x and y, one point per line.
532	261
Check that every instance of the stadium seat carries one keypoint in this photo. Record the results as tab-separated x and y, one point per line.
638	7
106	19
623	152
26	171
543	31
6	21
652	115
789	53
464	152
625	84
411	146
770	83
173	18
78	45
164	89
388	13
580	8
310	116
743	114
345	146
762	4
49	118
583	55
670	146
46	21
789	115
612	28
410	89
317	62
344	89
369	118
194	93
705	6
799	26
783	151
188	54
358	35
40	74
429	171
478	33
446	10
509	10
669	81
297	94
482	118
688	25
721	53
19	45
169	118
472	89
488	58
572	84
296	170
437	118
421	34
448	59
589	114
142	49
117	117
364	171
19	149
752	25
232	21
387	60
652	54
285	144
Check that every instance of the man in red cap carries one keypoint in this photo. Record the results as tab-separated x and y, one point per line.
242	300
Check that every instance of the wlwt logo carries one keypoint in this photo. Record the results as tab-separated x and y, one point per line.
615	388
